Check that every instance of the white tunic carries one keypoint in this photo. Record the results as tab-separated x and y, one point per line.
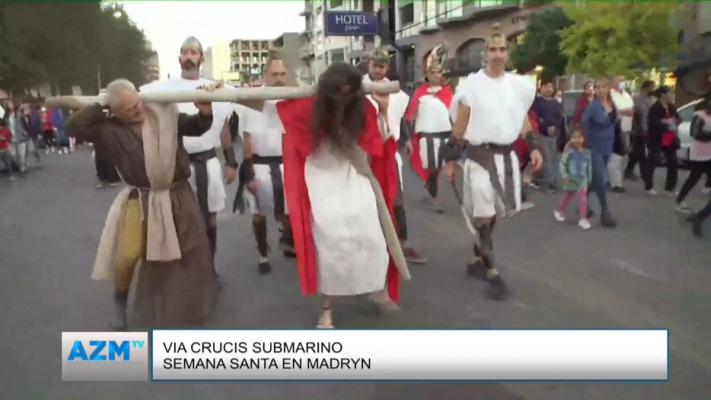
209	140
396	111
498	111
265	131
432	117
351	252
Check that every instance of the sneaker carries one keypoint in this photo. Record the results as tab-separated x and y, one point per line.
618	189
584	224
413	256
99	185
527	205
651	192
264	267
671	193
12	178
558	216
682	207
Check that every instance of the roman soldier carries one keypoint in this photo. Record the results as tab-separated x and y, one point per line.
429	111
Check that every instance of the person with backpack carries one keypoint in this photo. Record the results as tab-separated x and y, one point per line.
699	151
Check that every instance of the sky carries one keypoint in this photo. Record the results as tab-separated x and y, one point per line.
167	23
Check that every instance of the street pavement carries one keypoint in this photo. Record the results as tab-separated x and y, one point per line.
648	273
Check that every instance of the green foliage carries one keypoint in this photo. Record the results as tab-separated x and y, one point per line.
66	43
620	37
541	44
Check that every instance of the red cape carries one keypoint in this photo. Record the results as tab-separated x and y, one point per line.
298	144
445	95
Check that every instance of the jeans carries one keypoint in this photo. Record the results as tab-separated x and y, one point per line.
653	158
599	178
614	165
582	195
19	151
551	159
697	170
706	211
7	160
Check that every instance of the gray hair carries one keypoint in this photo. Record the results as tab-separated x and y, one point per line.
116	92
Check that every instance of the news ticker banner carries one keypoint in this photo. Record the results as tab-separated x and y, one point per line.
368	355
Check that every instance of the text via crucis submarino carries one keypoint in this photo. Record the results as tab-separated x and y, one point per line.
259	356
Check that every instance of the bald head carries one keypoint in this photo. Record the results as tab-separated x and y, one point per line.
124	101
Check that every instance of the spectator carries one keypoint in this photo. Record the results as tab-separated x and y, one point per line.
638	137
599	121
57	120
33	119
662	140
551	122
48	129
699	151
19	137
5	140
582	102
625	107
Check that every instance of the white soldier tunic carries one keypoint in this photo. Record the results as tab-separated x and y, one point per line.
499	106
206	172
396	110
266	132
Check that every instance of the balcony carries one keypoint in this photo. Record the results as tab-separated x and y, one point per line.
479	8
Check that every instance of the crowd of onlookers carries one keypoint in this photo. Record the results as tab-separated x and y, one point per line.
27	128
609	125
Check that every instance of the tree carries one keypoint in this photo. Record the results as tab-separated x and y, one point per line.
619	38
64	44
541	44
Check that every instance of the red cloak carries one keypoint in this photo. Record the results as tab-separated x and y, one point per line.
298	142
445	95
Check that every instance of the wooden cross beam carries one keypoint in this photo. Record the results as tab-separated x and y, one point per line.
226	95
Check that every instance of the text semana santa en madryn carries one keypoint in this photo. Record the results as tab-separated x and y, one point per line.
266	348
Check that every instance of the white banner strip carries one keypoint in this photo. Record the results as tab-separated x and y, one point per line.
410	354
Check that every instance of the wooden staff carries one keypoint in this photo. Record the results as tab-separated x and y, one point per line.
226	95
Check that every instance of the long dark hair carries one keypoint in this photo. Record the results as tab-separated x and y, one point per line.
339	116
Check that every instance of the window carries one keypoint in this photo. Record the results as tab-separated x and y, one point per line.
469	54
337	56
335	3
686	113
407	14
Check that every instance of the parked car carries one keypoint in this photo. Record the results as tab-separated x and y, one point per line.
686	112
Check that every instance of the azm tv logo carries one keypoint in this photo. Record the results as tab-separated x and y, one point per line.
104	350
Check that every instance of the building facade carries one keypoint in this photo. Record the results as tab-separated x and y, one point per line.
217	61
290	46
457	30
248	58
319	49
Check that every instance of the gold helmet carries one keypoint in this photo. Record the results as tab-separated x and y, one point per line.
497	39
380	55
434	66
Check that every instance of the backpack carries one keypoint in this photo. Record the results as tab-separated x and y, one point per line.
703	134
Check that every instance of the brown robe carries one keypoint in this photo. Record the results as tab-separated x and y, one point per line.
172	294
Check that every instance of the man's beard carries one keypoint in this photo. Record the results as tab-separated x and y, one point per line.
278	84
189	65
375	78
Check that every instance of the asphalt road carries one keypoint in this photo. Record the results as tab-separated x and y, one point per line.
650	272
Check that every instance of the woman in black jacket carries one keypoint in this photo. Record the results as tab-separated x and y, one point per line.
662	140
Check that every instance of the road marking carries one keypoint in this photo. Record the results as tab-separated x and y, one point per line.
625	266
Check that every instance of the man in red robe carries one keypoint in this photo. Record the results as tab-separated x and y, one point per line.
340	184
429	112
